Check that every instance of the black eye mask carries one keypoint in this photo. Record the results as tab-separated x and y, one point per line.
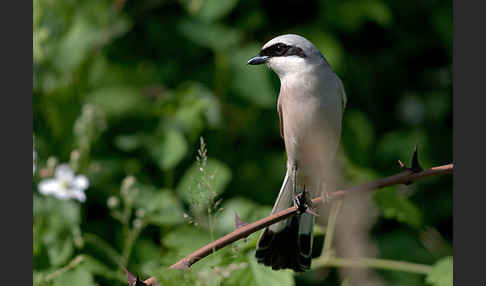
282	50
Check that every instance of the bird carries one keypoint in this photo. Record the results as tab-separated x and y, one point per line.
310	108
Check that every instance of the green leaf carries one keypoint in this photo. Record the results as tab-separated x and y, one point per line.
442	273
176	277
162	206
357	174
170	150
60	251
379	12
354	13
212	10
54	221
186	239
59	212
118	100
260	275
99	268
148	252
103	248
214	36
128	143
358	129
201	184
393	243
247	210
187	108
79	276
251	82
394	205
74	46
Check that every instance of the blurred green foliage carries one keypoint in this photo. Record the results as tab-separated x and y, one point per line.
123	91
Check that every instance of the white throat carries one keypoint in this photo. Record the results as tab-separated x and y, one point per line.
284	66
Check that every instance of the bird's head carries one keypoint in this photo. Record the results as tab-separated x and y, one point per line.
287	54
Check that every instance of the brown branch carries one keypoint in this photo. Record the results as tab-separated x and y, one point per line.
244	231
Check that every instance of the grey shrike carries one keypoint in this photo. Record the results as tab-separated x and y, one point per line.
310	108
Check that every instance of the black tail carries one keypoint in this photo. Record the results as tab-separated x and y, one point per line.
289	248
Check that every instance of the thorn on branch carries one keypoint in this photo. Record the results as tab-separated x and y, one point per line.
415	165
133	280
238	222
139	282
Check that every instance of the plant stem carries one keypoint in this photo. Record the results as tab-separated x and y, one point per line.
210	223
127	234
73	263
130	239
372	263
331	225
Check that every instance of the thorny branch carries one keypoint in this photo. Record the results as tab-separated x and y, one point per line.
244	230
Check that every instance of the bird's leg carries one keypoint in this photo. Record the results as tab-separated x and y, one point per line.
300	200
295	196
294	180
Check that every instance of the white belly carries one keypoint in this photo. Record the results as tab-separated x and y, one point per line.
312	128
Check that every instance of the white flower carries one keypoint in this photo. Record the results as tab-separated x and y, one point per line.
65	185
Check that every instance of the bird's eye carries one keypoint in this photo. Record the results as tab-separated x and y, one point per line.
281	48
275	50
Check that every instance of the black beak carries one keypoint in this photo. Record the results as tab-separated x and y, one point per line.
257	60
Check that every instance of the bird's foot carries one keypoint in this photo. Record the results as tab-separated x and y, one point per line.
303	203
